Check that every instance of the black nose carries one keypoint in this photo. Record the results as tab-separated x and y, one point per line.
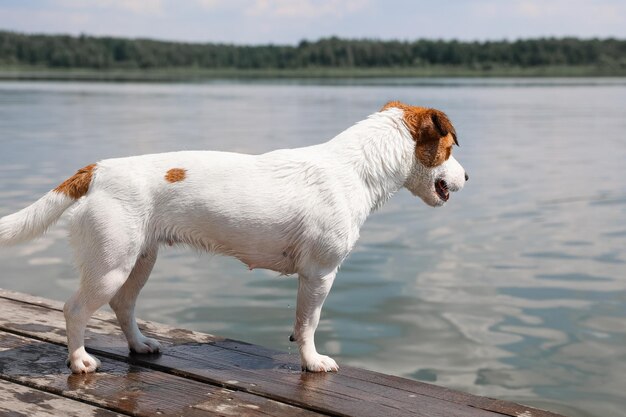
466	177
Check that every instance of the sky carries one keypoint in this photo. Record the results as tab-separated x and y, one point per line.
289	21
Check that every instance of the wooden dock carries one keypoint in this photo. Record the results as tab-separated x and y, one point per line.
196	375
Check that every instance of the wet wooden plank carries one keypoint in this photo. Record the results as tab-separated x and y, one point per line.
269	377
126	388
262	371
21	401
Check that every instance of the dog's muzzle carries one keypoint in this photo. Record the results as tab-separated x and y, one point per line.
443	189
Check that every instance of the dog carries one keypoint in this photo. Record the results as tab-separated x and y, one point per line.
293	211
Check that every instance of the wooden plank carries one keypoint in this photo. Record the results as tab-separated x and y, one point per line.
276	379
393	382
206	357
126	388
21	401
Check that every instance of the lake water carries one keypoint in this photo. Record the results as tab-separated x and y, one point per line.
516	289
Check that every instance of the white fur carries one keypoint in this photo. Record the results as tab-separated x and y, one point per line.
34	220
290	211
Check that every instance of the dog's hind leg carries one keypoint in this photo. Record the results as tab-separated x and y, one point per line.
123	303
94	292
311	295
107	242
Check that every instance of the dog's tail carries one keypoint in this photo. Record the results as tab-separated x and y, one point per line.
35	219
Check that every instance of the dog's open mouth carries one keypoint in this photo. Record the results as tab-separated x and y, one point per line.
441	187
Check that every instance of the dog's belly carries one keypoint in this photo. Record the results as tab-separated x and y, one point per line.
252	249
283	263
280	241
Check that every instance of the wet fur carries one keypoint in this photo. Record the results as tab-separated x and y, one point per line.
293	211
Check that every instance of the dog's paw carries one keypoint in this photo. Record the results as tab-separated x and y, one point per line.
145	345
320	363
80	362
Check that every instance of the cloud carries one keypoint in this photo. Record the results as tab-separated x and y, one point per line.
306	8
309	9
529	8
209	4
535	18
288	21
535	9
149	7
43	21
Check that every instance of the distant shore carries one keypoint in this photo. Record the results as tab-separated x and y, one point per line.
91	58
202	74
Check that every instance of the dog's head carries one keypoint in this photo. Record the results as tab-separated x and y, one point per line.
435	172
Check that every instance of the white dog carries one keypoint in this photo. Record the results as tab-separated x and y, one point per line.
290	211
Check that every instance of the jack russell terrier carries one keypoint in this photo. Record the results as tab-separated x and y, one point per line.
293	211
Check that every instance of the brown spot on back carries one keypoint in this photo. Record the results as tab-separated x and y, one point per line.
175	175
77	185
432	131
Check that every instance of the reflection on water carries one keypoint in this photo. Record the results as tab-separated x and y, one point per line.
516	289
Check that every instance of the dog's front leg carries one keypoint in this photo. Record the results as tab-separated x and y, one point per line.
311	295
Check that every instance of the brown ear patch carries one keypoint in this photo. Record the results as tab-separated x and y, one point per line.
77	185
175	175
433	153
432	131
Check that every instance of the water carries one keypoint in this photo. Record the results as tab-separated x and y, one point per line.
516	289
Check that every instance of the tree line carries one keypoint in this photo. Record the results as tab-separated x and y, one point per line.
61	51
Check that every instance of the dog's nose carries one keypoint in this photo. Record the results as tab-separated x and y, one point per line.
466	177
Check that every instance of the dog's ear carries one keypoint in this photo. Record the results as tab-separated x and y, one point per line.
425	125
434	136
442	125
